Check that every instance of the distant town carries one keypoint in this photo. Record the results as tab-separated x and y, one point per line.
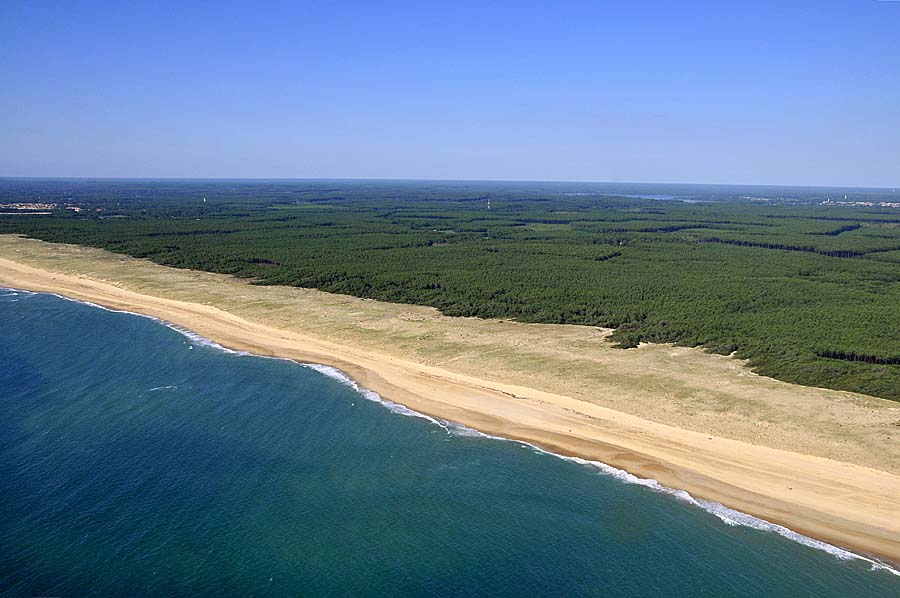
866	204
34	208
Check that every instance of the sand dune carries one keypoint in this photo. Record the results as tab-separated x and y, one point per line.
824	463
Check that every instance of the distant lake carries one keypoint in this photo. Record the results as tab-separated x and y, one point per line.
661	197
656	196
651	196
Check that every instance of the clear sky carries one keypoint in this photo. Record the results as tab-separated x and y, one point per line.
786	92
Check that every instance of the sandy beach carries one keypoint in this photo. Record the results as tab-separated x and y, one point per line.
823	463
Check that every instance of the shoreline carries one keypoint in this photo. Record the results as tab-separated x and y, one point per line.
844	505
723	513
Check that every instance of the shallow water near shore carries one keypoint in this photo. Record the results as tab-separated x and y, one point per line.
135	460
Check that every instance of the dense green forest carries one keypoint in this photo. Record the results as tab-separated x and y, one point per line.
807	293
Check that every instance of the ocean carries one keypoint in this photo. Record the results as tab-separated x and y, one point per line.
136	459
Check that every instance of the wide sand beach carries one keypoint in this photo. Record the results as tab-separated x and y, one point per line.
823	463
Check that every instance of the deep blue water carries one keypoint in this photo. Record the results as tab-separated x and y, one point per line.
137	461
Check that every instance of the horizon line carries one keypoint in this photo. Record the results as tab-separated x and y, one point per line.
438	180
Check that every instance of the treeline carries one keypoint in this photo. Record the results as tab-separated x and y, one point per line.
859	357
783	247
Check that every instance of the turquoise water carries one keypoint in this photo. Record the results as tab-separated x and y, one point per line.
137	461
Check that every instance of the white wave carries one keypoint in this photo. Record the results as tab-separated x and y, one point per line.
10	292
723	513
199	340
373	396
189	334
726	515
17	293
732	517
155	388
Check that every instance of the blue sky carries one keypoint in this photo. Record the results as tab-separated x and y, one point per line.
789	92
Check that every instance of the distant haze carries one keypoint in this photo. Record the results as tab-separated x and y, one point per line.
781	93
